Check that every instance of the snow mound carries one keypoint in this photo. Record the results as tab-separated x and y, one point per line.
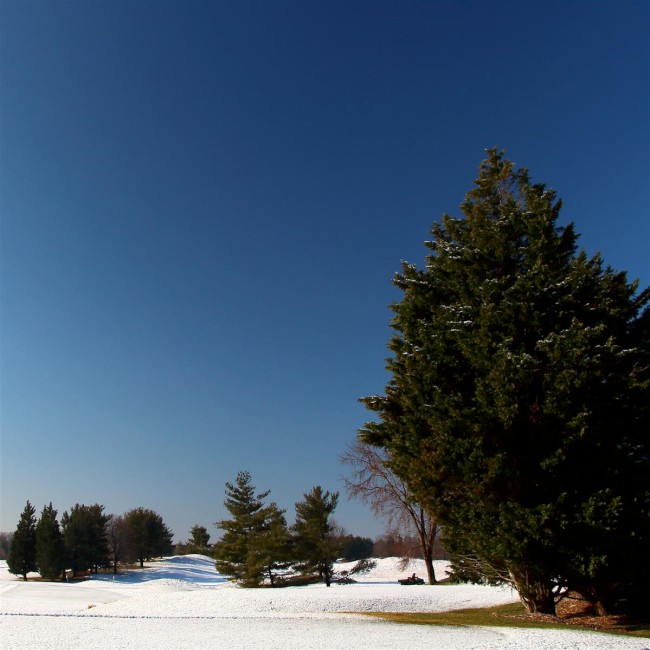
391	569
187	569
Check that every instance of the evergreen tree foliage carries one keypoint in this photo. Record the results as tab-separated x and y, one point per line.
199	541
270	548
354	547
235	553
50	550
85	537
22	553
517	409
147	533
316	545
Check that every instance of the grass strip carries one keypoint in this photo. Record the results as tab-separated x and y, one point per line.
512	615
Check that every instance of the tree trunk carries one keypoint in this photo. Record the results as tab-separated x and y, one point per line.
426	544
431	574
535	594
602	608
601	599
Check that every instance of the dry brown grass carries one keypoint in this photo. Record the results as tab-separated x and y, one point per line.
570	613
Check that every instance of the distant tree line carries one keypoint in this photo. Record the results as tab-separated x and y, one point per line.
394	544
5	544
86	540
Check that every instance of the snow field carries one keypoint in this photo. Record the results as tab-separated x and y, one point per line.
182	603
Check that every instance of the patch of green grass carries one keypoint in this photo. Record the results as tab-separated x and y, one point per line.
513	615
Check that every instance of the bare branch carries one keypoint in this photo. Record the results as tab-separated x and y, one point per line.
375	484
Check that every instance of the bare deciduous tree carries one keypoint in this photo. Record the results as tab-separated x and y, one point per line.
374	483
118	540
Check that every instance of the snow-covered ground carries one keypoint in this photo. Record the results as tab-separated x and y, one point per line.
182	603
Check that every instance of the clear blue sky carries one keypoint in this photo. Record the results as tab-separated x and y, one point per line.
203	205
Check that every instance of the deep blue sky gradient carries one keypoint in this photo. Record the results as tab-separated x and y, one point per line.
203	205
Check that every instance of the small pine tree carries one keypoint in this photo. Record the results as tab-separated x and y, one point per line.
22	554
199	541
271	548
50	550
316	546
234	553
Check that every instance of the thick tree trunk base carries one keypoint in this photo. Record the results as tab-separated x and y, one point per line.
536	595
539	606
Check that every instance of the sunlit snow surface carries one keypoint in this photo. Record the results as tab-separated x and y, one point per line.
182	603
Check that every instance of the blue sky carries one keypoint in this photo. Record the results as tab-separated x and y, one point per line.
203	205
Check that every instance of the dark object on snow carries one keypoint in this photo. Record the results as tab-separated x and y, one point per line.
411	580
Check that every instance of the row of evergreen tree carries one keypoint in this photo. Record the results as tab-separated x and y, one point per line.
87	539
258	545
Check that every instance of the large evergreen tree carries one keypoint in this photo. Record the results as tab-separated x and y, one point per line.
85	537
316	545
517	409
148	534
50	550
22	553
235	552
